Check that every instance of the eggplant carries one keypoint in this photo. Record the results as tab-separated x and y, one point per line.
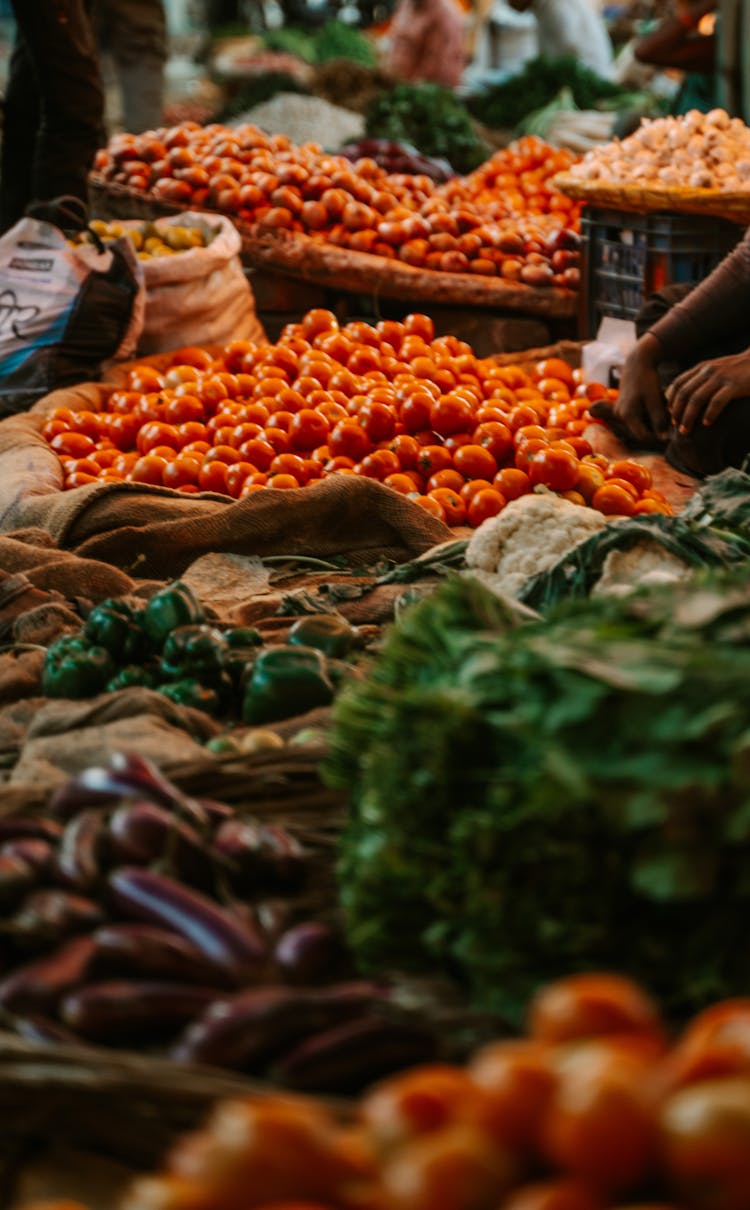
109	1012
130	776
79	857
37	854
155	899
19	827
16	879
247	1031
262	854
141	833
38	1028
310	953
52	915
68	800
351	1055
39	986
141	950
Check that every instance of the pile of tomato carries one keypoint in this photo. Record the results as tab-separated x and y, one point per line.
507	219
458	434
592	1109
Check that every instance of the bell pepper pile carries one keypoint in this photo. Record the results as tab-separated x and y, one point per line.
168	645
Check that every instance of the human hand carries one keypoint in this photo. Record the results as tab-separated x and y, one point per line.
702	393
640	405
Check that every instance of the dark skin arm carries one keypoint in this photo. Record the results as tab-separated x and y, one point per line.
639	404
674	45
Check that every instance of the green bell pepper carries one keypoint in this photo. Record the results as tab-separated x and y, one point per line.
286	681
168	609
132	675
190	692
112	624
198	651
75	669
325	631
243	637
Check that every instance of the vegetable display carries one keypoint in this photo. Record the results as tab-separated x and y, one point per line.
133	913
467	225
458	434
538	797
433	119
334	40
591	1109
147	239
398	157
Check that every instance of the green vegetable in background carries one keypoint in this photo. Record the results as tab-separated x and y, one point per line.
113	624
193	651
75	668
339	41
327	632
285	681
190	692
130	676
168	609
291	41
538	797
432	119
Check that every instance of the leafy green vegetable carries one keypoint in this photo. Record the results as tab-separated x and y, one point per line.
504	105
713	531
432	119
530	798
291	41
339	41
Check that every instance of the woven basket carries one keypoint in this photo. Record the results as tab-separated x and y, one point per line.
302	256
710	202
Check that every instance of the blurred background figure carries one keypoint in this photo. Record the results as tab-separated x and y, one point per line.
427	42
54	106
571	27
134	33
686	39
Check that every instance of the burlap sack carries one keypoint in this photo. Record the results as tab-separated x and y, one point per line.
157	532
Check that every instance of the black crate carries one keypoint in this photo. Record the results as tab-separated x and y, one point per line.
627	257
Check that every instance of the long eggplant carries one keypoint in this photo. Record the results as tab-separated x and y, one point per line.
352	1054
263	855
21	827
37	854
52	915
39	986
109	1012
142	950
247	1031
16	879
220	938
38	1028
78	862
141	833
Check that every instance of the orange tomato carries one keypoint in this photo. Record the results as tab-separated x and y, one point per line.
613	501
450	1168
556	1195
632	472
705	1139
451	503
518	1078
590	1006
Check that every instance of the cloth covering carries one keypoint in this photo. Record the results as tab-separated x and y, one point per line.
158	532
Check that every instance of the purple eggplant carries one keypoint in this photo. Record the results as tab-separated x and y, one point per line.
263	855
16	879
38	1028
109	1012
72	798
19	827
141	833
52	915
79	857
38	854
310	953
131	776
220	938
353	1054
39	986
247	1031
141	951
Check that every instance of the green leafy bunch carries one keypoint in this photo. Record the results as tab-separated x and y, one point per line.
503	105
534	797
430	118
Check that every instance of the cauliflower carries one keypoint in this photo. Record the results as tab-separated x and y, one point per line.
646	563
528	536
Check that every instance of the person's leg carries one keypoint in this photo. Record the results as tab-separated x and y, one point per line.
60	48
20	122
138	44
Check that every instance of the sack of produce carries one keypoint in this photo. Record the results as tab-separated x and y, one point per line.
196	290
64	309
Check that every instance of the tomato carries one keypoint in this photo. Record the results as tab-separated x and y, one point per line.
530	432
554	468
434	458
184	409
258	451
646	506
494	436
451	503
600	1125
122	431
512	483
472	486
79	479
555	367
419	325
450	1168
521	416
487	502
75	445
613	501
590	1006
90	423
290	464
526	452
415	411
181	470
277	438
518	1078
431	505
401	483
212	477
556	1195
349	439
451	414
145	380
446	478
705	1132
283	482
407	450
379	464
716	1043
590	479
236	476
149	469
378	420
632	472
155	433
475	461
625	484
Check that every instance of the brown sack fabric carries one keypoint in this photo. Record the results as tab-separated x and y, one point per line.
157	532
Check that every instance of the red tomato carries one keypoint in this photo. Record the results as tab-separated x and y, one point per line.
308	429
483	504
590	1006
475	462
149	469
632	472
181	470
519	1079
434	458
705	1133
407	450
75	445
496	437
555	468
558	1195
212	477
451	503
290	464
512	483
349	439
155	433
613	501
451	414
446	478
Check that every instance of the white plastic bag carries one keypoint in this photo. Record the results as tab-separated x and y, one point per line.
201	295
64	309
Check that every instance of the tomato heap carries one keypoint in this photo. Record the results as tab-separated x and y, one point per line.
591	1110
458	434
506	219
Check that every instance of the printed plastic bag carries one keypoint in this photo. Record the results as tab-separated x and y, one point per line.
64	310
199	295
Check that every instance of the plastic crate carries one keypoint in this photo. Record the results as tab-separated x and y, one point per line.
627	257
